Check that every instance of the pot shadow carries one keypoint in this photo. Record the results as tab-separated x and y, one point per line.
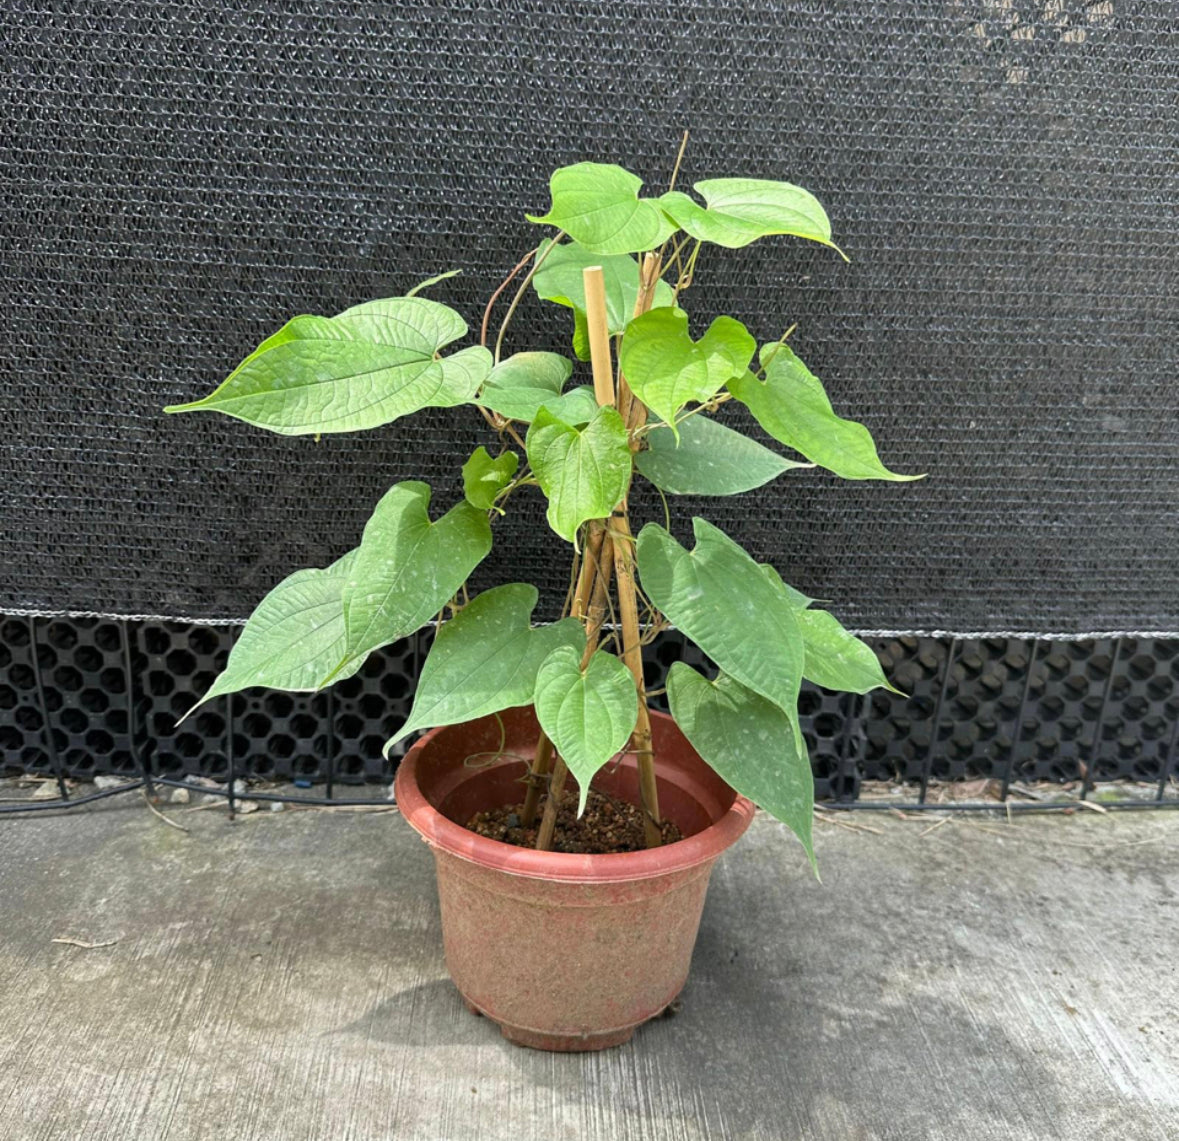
429	1014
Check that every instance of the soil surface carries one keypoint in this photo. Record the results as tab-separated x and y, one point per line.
609	825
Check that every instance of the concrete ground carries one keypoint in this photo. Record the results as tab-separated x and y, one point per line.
281	977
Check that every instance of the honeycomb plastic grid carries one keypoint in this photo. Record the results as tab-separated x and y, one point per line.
1138	730
1068	687
1008	708
22	720
893	733
174	665
372	705
979	725
80	709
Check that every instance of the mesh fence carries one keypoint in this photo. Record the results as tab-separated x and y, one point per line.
180	177
91	697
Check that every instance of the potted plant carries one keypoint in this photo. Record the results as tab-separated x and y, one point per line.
571	927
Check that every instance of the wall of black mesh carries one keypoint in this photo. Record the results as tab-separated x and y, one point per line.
104	697
179	177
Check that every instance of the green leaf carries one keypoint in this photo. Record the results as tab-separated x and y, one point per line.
794	598
726	603
542	372
741	210
526	382
368	366
485	659
598	205
588	714
462	374
484	478
432	281
791	405
666	369
407	568
584	471
836	659
750	742
293	638
560	280
417	322
710	459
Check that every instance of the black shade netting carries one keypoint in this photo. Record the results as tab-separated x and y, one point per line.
180	178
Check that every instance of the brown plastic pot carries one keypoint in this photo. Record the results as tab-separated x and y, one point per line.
565	952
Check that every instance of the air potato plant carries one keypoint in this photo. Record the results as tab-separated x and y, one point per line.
622	264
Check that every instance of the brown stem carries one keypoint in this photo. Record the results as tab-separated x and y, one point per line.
499	340
595	616
679	158
592	596
632	411
632	655
548	822
635	415
583	597
542	763
502	286
599	606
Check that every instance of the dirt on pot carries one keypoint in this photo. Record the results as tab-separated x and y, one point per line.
609	825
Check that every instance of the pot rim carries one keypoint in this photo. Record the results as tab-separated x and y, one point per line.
566	867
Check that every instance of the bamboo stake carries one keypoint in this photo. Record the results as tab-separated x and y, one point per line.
594	583
594	281
634	414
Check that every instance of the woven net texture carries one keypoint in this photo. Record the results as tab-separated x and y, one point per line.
180	178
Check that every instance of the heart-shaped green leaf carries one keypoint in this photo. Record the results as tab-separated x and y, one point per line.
741	210
293	638
795	599
421	324
484	478
726	603
750	742
598	205
560	280
430	282
485	659
836	659
710	459
407	567
666	369
584	472
526	382
368	366
543	372
588	714
791	405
